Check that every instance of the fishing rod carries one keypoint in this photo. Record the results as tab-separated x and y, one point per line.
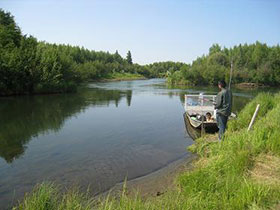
230	77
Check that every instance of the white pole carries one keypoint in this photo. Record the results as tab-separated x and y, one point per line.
254	117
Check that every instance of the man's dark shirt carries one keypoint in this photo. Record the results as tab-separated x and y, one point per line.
224	102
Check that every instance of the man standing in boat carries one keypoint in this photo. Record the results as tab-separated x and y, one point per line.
223	107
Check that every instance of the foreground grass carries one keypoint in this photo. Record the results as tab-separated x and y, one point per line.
242	172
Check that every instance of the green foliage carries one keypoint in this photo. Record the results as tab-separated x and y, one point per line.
129	57
28	66
164	69
223	180
267	102
46	196
124	76
257	63
10	34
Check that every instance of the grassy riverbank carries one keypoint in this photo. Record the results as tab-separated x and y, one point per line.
122	77
243	172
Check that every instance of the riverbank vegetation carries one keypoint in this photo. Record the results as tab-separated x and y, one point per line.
242	172
29	66
123	76
255	63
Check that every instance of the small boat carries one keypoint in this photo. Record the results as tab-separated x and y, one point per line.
200	111
194	133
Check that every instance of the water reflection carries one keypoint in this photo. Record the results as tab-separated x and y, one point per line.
84	139
97	137
23	118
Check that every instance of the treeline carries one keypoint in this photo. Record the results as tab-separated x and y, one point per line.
28	66
163	69
254	63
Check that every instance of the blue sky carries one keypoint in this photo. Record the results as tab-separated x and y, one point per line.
154	30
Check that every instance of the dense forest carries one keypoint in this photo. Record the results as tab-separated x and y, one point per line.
254	63
28	66
162	69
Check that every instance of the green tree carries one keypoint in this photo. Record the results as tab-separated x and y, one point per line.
129	57
117	57
215	48
10	34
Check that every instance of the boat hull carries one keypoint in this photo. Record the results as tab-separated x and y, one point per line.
197	124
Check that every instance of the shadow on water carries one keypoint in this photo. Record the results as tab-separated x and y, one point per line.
26	117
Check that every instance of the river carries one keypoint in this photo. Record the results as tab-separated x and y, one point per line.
97	137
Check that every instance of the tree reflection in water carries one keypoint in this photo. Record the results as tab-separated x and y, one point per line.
25	117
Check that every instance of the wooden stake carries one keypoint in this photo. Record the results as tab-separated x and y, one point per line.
254	117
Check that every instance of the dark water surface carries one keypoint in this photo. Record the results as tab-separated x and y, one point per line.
96	137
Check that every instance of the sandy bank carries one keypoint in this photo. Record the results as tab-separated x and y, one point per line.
155	183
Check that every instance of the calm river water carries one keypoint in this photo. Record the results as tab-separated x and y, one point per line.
96	137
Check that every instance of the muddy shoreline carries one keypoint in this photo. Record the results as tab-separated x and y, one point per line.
155	183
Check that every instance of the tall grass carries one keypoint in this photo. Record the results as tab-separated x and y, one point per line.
224	181
221	179
267	102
